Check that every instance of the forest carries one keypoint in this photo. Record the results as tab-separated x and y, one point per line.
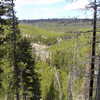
49	59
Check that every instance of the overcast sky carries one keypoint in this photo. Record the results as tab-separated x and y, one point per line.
41	9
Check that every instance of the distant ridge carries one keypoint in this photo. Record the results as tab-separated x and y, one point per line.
62	20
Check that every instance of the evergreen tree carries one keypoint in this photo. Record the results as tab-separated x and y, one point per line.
2	37
9	33
14	35
30	81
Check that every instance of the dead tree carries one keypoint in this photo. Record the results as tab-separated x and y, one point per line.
94	6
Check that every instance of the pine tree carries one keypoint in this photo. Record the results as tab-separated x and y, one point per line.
14	35
8	40
2	37
30	81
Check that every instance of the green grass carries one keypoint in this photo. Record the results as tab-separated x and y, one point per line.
42	35
33	30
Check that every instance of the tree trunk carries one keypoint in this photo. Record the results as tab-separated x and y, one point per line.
93	53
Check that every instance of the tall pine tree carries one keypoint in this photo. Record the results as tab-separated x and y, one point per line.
30	81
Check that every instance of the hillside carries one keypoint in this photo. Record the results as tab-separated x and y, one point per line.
67	61
53	53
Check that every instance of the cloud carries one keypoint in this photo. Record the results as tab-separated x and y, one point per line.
35	2
79	4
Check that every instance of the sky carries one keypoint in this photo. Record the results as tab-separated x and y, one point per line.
44	9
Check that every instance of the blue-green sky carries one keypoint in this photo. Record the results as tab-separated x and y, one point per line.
42	9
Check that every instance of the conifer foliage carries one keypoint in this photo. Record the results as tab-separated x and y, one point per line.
30	81
22	80
2	37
